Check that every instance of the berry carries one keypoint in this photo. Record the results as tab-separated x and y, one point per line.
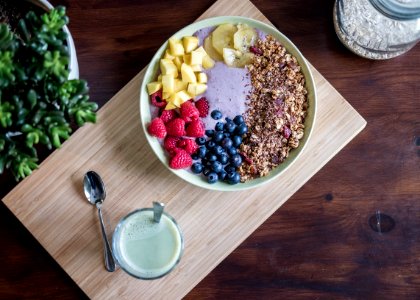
206	171
238	120
157	99
170	143
217	150
286	132
216	114
211	157
195	128
222	175
228	119
241	129
223	158
189	112
176	127
230	169
203	107
200	141
226	134
218	136
255	50
210	144
181	160
227	143
212	177
194	156
219	126
202	151
168	115
230	127
216	166
233	177
157	128
232	151
236	140
236	160
197	168
209	133
189	145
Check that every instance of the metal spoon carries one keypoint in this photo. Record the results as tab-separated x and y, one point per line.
157	211
95	193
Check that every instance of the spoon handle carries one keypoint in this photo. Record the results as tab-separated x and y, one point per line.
109	259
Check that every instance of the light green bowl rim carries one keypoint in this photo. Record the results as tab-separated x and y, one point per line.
150	75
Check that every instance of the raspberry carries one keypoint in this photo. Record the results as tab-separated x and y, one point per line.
189	111
176	127
203	107
195	128
170	143
255	50
157	128
168	115
188	145
181	160
157	99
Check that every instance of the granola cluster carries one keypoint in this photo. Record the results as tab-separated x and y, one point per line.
277	108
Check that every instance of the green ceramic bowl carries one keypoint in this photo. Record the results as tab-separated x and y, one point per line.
151	74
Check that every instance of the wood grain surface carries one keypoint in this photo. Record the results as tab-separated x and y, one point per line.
319	244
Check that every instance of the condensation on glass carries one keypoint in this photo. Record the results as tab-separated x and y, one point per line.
378	29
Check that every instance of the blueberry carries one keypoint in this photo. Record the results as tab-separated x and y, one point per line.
211	157
217	150
200	141
223	158
212	177
236	160
216	114
197	168
218	136
230	169
227	143
210	144
226	134
209	133
232	151
206	171
216	166
238	120
233	177
228	119
236	140
194	156
241	129
219	126
230	127
202	151
222	175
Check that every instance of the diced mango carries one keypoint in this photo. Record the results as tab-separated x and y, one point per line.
168	55
178	62
195	89
183	95
208	62
196	68
167	67
201	50
170	106
187	74
180	85
187	59
168	83
159	78
176	47
153	87
202	77
190	43
196	58
166	95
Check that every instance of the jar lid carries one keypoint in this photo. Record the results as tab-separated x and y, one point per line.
398	9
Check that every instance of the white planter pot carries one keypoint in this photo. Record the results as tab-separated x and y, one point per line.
73	65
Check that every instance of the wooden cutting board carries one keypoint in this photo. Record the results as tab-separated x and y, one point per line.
51	204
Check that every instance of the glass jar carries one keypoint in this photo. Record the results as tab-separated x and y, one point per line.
378	29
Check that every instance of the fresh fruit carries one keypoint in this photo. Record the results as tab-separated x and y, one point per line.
168	83
176	47
195	89
230	127
157	128
210	144
222	37
189	43
200	141
226	143
181	160
216	114
187	73
218	150
170	106
218	136
153	87
168	55
231	151
203	107
195	128
178	60
209	132
208	46
167	67
244	38
233	177
170	143
197	57
202	77
241	129
202	151
223	158
222	175
197	168
238	120
196	68
180	85
212	177
230	169
176	127
188	145
168	115
236	160
217	166
189	111
157	100
236	140
219	126
208	62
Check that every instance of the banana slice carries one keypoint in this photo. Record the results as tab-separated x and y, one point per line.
236	59
244	38
245	59
208	46
222	37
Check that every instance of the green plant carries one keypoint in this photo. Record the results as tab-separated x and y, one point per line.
38	103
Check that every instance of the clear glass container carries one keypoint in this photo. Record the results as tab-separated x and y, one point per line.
378	29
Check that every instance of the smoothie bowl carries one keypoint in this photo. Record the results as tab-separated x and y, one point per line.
228	103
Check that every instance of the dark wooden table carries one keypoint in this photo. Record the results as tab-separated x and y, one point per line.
319	245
